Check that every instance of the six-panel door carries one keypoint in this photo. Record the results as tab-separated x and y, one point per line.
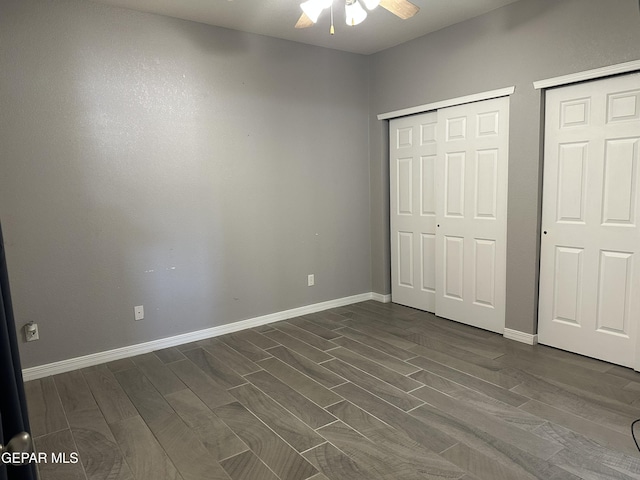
413	211
589	271
471	211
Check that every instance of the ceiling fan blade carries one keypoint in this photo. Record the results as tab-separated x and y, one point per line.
401	8
304	21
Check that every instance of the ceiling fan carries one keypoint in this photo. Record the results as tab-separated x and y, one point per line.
355	14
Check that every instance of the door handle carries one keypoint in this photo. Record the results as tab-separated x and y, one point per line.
20	443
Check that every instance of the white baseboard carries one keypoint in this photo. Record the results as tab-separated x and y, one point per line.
378	297
521	337
63	366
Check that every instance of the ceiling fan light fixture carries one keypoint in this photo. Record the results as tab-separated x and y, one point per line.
355	14
313	8
371	4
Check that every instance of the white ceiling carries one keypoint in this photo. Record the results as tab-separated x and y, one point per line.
276	18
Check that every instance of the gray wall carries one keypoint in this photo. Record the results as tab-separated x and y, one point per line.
515	45
198	171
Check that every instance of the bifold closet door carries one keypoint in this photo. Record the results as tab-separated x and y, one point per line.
412	142
590	246
471	213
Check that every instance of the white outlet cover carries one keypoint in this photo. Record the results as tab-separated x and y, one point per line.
34	335
138	312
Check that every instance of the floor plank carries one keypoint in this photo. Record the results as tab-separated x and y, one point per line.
374	342
238	362
424	434
314	328
45	410
158	373
380	331
482	466
372	457
212	394
587	448
265	444
60	442
257	338
293	431
471	381
490	425
387	392
169	355
180	442
585	467
143	453
248	349
486	404
304	335
494	373
486	445
185	450
385	374
621	442
113	402
377	356
601	413
327	319
310	368
335	465
246	466
303	408
99	453
300	382
426	463
215	368
217	438
304	349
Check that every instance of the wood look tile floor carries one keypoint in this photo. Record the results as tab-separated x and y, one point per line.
369	391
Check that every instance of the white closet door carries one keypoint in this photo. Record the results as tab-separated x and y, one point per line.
471	210
590	253
412	142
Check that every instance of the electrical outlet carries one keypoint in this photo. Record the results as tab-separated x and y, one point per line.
31	333
311	280
138	312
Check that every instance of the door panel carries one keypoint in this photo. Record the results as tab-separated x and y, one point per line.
453	267
589	260
454	184
486	184
428	173
572	181
613	295
413	209
428	244
568	285
484	254
405	259
471	213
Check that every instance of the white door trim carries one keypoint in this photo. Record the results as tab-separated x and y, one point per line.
452	102
617	69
